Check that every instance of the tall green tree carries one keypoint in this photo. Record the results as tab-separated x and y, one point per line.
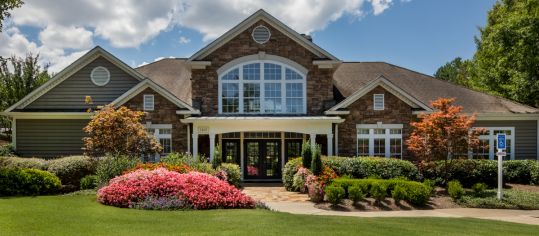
5	7
19	77
457	71
507	57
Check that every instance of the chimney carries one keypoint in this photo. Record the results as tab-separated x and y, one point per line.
308	37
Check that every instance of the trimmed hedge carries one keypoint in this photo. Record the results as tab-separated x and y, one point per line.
468	172
15	182
363	167
411	191
233	173
22	162
72	169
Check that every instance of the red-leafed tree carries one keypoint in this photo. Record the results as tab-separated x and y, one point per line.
118	132
445	134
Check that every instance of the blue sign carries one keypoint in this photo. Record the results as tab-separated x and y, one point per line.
501	142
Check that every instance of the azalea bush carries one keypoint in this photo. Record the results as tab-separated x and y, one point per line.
197	190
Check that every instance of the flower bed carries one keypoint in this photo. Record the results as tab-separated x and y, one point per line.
196	190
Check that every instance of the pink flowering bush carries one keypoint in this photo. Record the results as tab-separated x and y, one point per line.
196	190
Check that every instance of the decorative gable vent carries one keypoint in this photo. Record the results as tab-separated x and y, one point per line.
100	76
261	34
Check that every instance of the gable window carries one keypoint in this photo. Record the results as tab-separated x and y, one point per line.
100	76
259	87
378	102
487	147
148	102
382	140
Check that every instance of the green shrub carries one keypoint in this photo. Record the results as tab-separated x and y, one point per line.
27	182
430	183
217	160
316	164
479	188
512	199
88	182
289	170
455	189
418	194
205	167
110	166
378	191
519	171
306	154
233	173
23	163
70	170
399	193
534	176
335	194
299	180
7	150
355	194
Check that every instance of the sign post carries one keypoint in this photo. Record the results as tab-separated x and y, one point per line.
500	145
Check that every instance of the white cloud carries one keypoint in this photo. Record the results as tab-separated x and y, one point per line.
55	36
380	6
184	40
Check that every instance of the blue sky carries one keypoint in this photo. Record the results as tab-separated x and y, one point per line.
418	34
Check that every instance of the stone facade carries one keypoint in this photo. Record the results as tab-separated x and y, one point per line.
319	81
164	113
361	112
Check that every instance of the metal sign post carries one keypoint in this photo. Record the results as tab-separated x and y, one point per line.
500	145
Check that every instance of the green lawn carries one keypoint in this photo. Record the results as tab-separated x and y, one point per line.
82	215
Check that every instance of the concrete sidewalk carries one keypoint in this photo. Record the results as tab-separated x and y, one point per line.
516	216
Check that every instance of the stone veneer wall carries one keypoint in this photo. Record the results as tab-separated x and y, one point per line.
361	112
164	113
205	82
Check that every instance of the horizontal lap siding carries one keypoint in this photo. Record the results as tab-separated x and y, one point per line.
525	135
49	138
71	93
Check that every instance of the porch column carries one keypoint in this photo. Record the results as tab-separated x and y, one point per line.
330	144
312	137
195	143
212	146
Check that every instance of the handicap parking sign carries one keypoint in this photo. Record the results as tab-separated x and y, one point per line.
500	144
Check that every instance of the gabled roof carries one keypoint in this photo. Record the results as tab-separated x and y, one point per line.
275	23
147	83
72	69
353	76
388	86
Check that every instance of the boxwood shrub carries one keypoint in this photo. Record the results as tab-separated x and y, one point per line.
27	182
71	169
363	167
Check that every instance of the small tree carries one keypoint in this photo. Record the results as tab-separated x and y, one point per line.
445	134
217	159
316	165
306	154
118	132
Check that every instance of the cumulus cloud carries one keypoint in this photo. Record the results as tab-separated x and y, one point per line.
184	40
55	36
380	6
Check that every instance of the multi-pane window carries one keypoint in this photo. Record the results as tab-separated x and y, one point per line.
148	102
384	140
488	140
262	87
163	134
378	102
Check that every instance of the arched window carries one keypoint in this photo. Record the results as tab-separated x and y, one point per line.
262	87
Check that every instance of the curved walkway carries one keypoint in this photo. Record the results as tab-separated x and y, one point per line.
278	199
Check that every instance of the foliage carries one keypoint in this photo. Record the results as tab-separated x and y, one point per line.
457	71
18	77
327	176
378	191
233	173
534	176
15	182
306	154
355	194
160	203
181	168
88	182
455	189
119	132
216	161
300	178
506	59
316	163
512	199
23	162
399	193
198	190
479	188
334	194
111	166
70	170
518	171
289	170
315	189
5	6
7	150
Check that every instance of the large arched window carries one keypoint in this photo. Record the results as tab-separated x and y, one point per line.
262	87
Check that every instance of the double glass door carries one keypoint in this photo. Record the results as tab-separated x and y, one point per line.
262	159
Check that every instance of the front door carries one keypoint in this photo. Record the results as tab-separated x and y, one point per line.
262	159
292	149
231	151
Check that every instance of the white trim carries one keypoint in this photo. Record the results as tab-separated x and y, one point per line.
492	137
336	112
146	105
14	133
199	65
93	79
379	125
261	56
387	136
273	22
49	115
69	71
326	64
261	27
374	97
157	128
388	86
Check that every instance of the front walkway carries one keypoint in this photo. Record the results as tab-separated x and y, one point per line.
278	199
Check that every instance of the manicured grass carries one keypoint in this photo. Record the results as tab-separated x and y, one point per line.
82	215
512	199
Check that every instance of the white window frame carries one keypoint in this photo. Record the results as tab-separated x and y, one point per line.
93	79
262	83
387	136
156	133
147	107
380	95
491	140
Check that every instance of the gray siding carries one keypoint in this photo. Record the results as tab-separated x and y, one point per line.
525	135
70	94
49	138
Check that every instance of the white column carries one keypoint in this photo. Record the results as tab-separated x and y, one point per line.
195	143
282	150
242	162
312	137
337	140
212	146
188	139
330	144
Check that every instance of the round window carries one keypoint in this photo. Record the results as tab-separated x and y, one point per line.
261	34
100	76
